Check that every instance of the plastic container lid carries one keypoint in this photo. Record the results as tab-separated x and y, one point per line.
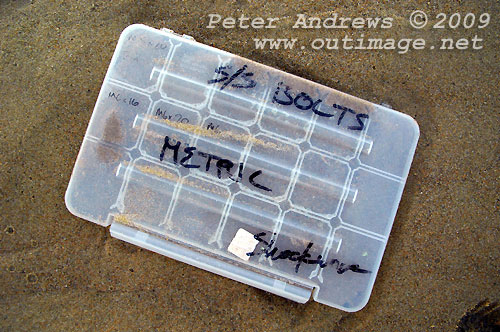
242	169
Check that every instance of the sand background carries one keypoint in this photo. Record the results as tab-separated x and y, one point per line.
61	273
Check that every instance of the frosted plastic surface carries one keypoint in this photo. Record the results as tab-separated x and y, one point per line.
189	144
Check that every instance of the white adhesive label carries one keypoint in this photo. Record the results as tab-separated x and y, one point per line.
242	243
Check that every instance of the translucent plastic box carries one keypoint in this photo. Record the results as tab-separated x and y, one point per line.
241	169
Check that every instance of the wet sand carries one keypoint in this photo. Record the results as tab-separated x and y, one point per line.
61	273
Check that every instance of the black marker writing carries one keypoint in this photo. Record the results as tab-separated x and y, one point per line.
303	257
224	166
167	145
189	154
252	181
359	116
129	101
145	41
224	77
303	101
177	117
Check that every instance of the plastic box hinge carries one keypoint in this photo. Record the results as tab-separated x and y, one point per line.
297	293
177	34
